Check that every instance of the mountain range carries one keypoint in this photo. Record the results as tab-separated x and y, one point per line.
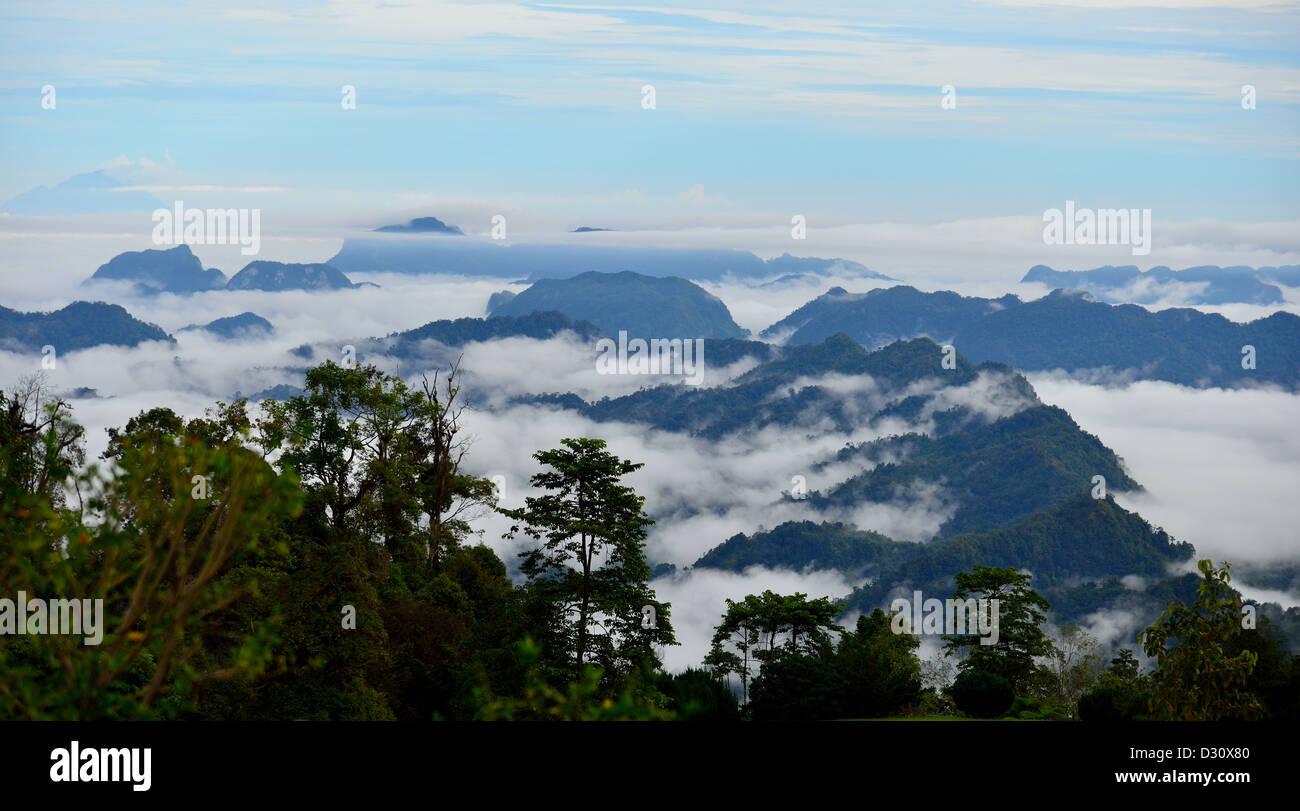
80	325
1207	284
473	257
1066	330
177	270
1009	480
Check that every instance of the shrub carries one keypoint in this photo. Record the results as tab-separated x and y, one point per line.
697	695
983	695
1113	704
798	687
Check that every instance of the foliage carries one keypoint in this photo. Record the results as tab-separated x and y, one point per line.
982	694
880	668
1072	668
167	561
790	624
579	700
798	687
1197	676
1020	617
588	578
698	695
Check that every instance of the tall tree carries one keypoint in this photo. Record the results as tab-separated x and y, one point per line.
589	568
388	504
739	633
769	626
1019	624
880	668
1072	668
383	458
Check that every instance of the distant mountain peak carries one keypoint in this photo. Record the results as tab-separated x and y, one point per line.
627	301
94	192
1069	293
235	326
422	225
161	270
277	276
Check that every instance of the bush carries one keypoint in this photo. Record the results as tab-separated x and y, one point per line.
936	702
1100	705
1027	708
1112	704
798	687
982	695
698	695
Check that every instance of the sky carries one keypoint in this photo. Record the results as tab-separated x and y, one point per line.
762	110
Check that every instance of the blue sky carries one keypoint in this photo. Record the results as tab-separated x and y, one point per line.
826	108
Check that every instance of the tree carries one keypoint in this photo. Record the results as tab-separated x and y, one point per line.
798	686
383	459
982	694
1019	621
1122	693
40	444
1196	677
236	590
388	510
733	639
588	575
791	624
698	695
582	699
1124	667
157	554
880	668
1072	667
1275	680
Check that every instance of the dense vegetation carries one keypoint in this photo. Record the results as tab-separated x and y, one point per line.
784	390
997	473
79	325
461	331
314	560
